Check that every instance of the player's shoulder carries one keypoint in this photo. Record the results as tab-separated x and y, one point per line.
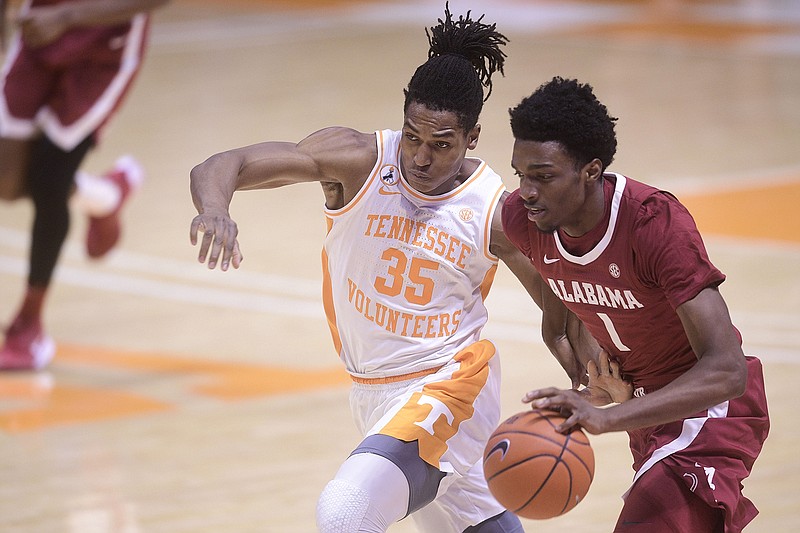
633	190
341	153
513	223
340	137
511	206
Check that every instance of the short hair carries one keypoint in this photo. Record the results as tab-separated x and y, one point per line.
463	55
568	112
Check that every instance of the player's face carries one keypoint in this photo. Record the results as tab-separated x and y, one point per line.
557	192
433	148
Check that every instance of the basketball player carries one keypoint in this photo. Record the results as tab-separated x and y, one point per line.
66	72
413	242
628	260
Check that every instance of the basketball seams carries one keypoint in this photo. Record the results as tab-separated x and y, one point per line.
558	459
577	456
564	445
527	459
543	484
537	473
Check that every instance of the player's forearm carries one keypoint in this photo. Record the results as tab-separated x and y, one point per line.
562	350
585	346
712	381
213	182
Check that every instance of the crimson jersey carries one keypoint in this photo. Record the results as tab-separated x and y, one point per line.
625	279
648	259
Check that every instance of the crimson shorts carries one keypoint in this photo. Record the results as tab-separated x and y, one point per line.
70	88
705	458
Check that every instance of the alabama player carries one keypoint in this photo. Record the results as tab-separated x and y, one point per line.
66	72
628	260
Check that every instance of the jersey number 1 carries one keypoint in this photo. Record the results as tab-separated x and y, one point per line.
612	332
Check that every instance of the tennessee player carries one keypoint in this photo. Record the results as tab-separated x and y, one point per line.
413	242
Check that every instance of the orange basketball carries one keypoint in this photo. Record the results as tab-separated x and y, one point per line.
534	471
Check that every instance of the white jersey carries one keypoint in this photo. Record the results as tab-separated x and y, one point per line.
406	274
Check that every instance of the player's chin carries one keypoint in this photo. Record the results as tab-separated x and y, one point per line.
544	226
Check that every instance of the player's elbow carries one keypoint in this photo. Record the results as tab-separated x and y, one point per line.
735	378
740	384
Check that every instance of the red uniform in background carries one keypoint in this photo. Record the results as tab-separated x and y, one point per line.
66	72
70	88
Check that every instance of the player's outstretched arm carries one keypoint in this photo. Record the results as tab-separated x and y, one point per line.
212	184
338	156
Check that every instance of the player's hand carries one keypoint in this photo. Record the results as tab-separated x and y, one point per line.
219	238
41	26
606	384
571	404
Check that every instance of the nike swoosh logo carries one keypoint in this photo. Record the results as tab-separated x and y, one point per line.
387	192
548	261
502	447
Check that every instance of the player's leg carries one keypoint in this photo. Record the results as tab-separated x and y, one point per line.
102	198
464	500
14	157
89	93
436	519
462	506
659	502
25	89
50	180
505	522
380	483
367	495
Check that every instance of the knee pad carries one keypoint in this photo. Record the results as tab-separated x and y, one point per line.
423	479
342	507
368	494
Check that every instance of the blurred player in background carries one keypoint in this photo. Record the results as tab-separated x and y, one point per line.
413	243
628	260
66	72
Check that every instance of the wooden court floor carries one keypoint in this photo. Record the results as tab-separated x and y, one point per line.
187	401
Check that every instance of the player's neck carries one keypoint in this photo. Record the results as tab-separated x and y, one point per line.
593	213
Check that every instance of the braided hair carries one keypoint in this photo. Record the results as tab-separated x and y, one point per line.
463	55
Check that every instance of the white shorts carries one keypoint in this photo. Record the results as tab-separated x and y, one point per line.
450	412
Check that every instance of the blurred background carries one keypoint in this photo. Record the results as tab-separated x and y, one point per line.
188	400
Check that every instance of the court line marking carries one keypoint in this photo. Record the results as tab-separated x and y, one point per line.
773	335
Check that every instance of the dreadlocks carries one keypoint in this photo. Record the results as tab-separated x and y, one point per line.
463	55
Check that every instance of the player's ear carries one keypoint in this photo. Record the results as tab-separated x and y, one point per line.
592	170
472	137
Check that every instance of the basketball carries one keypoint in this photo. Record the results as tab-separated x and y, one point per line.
534	471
